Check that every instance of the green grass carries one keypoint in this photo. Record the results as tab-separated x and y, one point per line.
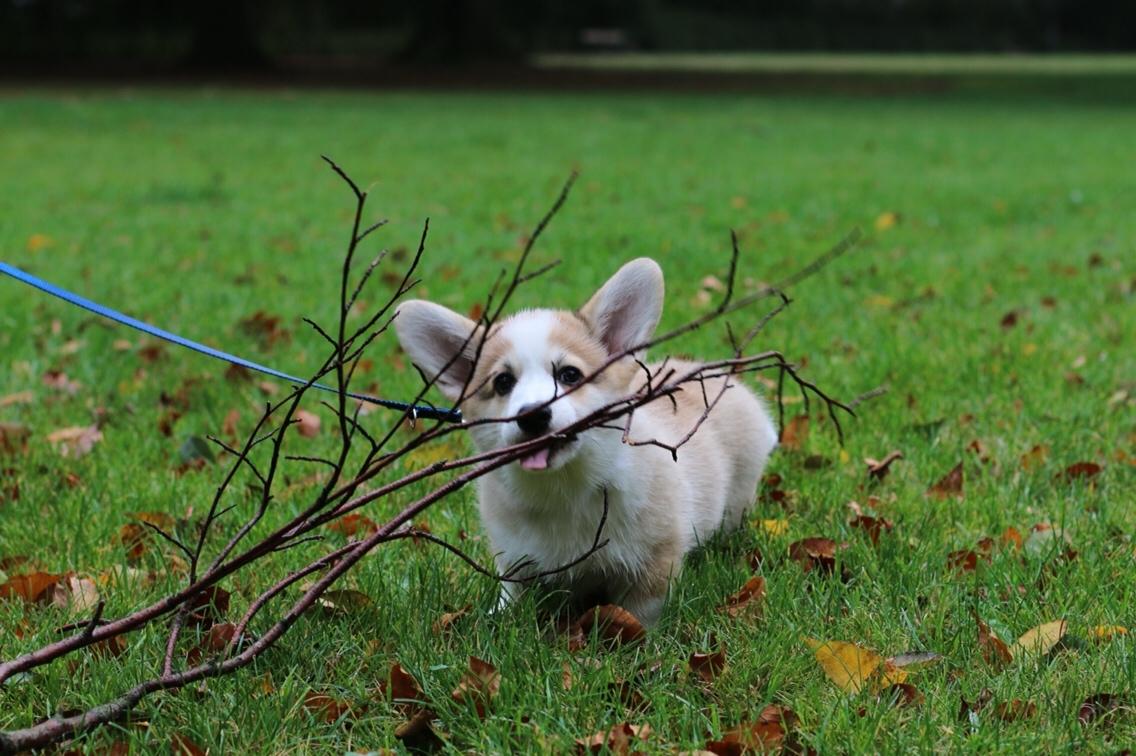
195	208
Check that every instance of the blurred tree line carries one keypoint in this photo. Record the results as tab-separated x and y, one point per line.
352	34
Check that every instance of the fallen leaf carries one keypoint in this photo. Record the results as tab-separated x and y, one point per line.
767	734
36	242
873	526
708	666
1099	706
914	659
949	486
1081	471
265	328
183	745
1010	711
1103	633
1009	320
341	602
886	220
307	423
1040	640
878	469
229	424
479	686
994	649
352	524
794	434
615	624
76	441
748	601
1035	457
815	553
75	594
58	380
447	620
209	606
33	588
20	397
620	740
216	640
327	708
1011	536
13	437
775	527
848	665
965	560
902	694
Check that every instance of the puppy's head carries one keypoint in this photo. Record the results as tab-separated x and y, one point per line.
530	360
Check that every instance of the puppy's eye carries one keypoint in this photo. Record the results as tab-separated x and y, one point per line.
569	376
504	383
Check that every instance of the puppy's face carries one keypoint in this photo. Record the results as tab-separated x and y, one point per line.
538	371
538	367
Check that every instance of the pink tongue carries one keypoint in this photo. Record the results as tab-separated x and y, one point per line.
536	460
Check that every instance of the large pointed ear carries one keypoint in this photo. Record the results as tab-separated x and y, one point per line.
626	309
432	335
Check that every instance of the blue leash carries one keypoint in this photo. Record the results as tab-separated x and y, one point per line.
415	411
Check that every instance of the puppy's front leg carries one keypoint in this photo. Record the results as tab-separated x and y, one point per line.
645	597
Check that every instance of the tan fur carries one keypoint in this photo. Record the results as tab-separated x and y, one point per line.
659	508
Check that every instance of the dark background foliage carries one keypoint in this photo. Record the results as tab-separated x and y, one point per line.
351	35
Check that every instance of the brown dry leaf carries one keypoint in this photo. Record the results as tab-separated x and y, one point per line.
950	485
13	437
1035	457
994	649
709	666
479	685
229	424
327	708
621	739
873	526
447	620
616	624
307	423
345	601
748	601
214	642
76	441
767	734
878	468
353	524
902	694
76	594
966	560
400	687
33	587
1011	536
815	553
58	380
795	432
112	647
163	520
1010	711
1102	633
182	745
20	397
1080	471
1099	706
208	607
265	328
849	666
476	310
1040	640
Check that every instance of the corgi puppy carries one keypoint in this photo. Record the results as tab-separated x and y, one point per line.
544	509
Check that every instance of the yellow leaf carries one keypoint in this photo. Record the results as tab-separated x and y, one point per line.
886	221
845	457
846	664
889	675
1108	632
880	302
1038	641
775	527
36	242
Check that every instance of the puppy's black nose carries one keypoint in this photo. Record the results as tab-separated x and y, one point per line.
533	419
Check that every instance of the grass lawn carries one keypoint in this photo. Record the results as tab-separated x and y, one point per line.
993	294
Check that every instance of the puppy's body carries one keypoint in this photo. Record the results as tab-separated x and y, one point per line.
546	507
